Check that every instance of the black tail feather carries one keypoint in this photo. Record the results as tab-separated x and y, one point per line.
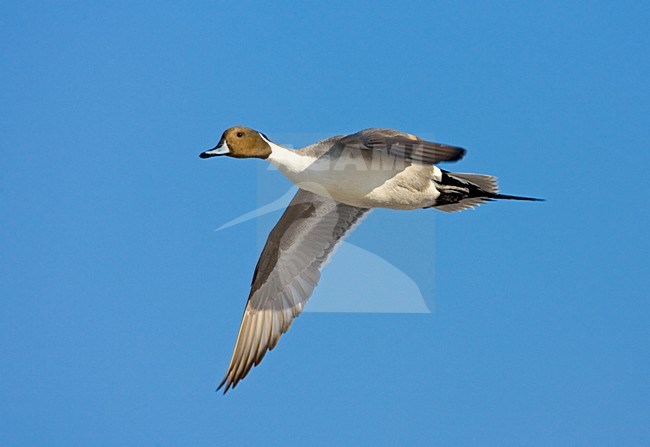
459	191
508	197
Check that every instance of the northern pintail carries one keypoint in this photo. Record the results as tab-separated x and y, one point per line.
340	180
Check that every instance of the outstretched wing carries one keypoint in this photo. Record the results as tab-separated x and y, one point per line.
403	145
286	274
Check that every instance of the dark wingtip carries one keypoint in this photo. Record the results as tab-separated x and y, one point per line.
221	386
457	154
461	153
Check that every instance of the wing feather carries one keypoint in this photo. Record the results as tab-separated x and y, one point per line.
286	275
403	145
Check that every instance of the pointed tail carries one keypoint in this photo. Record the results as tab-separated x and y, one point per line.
459	191
508	197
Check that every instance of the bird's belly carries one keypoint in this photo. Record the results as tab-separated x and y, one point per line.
404	189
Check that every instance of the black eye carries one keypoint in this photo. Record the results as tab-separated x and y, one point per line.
240	134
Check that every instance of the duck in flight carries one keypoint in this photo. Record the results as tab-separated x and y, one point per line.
340	179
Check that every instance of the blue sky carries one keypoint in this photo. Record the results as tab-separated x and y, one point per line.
120	303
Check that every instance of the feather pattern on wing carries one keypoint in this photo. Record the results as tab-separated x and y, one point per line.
403	145
286	275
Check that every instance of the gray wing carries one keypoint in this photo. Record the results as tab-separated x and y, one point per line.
286	275
403	145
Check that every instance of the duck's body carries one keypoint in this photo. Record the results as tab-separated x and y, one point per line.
362	179
340	179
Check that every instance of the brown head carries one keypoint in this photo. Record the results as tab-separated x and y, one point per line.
240	142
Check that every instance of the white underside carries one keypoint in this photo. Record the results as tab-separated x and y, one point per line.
380	182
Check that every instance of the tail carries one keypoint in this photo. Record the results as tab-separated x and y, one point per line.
508	197
459	191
